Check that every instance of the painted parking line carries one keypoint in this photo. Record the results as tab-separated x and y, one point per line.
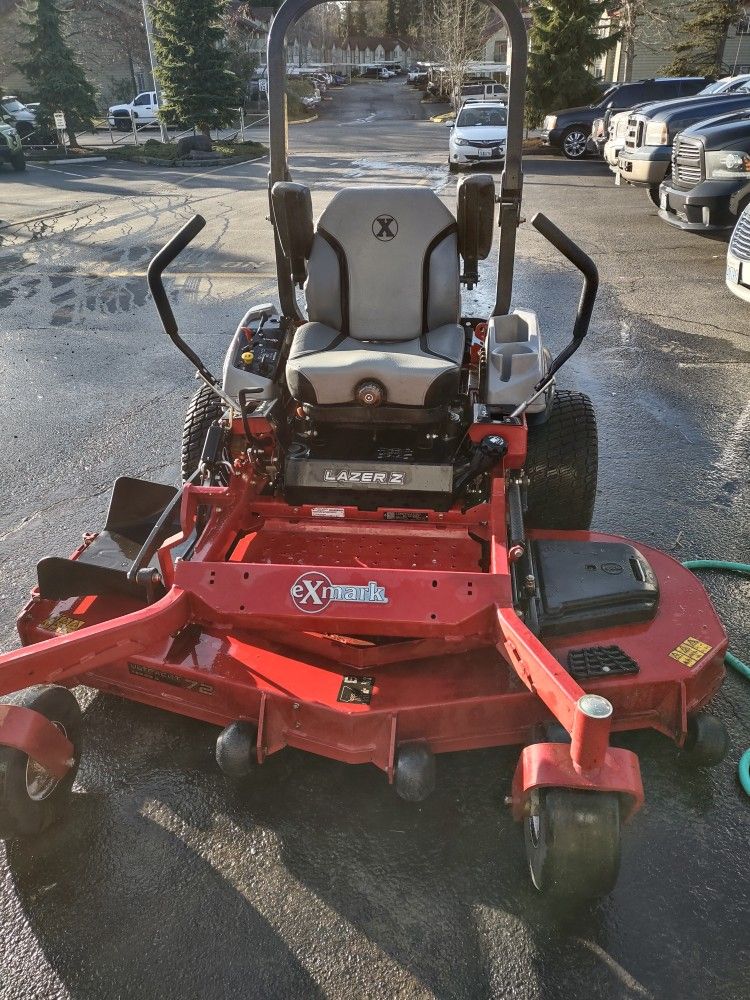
68	173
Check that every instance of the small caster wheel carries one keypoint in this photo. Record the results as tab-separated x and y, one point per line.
414	773
236	750
706	743
31	799
572	842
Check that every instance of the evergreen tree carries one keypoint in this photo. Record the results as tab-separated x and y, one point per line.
563	43
192	58
58	82
391	13
699	49
360	18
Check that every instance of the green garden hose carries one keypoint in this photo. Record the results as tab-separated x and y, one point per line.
743	569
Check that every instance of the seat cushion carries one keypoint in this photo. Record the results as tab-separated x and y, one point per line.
325	366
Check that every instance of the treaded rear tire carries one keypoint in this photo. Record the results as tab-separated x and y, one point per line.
204	408
561	464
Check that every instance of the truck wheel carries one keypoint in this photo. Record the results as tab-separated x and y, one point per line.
574	143
31	798
18	162
205	407
652	193
562	460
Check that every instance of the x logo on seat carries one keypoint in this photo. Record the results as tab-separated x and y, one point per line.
384	228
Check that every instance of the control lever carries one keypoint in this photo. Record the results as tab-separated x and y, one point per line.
156	269
487	454
588	269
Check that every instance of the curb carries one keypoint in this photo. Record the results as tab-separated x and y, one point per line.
151	161
70	160
305	121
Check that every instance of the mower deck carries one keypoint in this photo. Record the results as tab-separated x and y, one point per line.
398	655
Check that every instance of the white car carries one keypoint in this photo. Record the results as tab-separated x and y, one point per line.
144	110
618	129
726	85
478	135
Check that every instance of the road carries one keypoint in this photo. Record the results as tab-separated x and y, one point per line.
315	880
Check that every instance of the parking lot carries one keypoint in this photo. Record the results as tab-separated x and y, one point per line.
314	879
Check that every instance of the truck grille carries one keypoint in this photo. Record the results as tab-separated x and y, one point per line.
739	245
634	132
687	162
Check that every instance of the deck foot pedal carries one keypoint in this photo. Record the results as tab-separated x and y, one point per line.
600	661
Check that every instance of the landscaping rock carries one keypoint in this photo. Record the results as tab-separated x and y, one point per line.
200	143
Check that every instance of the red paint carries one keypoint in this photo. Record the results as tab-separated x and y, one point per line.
31	732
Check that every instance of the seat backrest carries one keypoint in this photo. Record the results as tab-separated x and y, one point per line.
384	264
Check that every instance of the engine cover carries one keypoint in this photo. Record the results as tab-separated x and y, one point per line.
367	484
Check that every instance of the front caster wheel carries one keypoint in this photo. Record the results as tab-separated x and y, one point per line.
414	773
706	743
572	842
236	750
31	799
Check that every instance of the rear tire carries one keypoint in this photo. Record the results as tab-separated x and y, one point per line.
652	193
572	842
18	163
205	407
31	799
452	167
561	465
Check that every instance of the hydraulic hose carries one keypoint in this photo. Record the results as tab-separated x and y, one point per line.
742	569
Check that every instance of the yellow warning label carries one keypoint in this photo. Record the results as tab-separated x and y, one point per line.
62	624
690	652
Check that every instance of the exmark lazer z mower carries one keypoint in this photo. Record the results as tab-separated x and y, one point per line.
381	550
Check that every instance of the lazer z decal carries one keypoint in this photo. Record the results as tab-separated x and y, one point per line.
313	592
363	476
165	677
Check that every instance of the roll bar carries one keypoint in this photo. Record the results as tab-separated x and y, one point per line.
511	184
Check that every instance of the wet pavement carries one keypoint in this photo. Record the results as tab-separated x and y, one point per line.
314	879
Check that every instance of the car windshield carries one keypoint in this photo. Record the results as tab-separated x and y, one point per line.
12	105
471	117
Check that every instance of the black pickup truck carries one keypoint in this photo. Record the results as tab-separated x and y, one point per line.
710	182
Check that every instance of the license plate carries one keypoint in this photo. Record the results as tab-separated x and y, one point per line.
733	274
484	152
626	166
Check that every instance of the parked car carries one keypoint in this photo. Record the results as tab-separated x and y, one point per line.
568	130
478	135
615	137
710	183
10	147
144	109
727	84
21	116
738	258
477	92
646	157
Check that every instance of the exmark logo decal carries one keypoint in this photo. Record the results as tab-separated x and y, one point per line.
363	476
313	592
384	228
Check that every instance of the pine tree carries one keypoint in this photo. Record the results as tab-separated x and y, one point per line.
563	43
192	59
700	42
360	18
391	18
58	82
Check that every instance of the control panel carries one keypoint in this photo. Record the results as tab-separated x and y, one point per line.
253	357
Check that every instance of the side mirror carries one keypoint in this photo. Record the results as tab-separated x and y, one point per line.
449	124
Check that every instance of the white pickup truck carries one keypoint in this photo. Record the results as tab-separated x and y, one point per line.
144	109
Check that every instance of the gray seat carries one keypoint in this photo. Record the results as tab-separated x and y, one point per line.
382	295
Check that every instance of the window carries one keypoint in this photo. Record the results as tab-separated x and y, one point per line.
501	51
142	99
476	115
628	96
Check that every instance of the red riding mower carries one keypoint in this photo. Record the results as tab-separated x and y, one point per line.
381	550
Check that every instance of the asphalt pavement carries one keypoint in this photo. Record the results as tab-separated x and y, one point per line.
314	880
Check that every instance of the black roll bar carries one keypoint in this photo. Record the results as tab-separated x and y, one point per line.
511	184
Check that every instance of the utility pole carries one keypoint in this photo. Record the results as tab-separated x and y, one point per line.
152	59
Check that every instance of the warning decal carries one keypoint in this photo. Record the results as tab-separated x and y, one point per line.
690	652
62	624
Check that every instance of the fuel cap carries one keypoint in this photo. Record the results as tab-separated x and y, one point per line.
370	393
